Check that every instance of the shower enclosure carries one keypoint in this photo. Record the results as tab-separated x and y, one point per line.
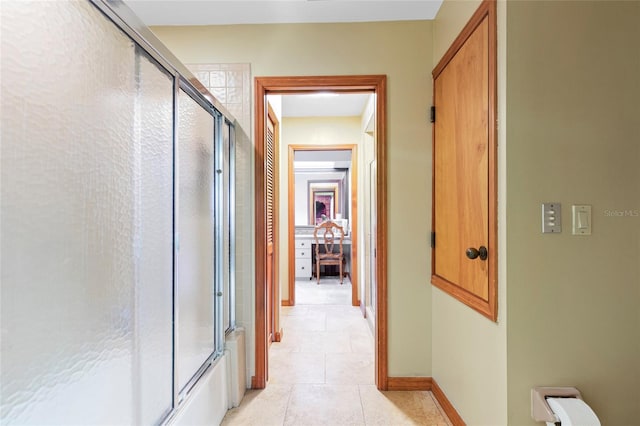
116	219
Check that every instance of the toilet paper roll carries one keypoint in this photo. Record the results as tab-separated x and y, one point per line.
573	412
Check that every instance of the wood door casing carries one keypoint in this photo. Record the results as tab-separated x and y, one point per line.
306	84
464	177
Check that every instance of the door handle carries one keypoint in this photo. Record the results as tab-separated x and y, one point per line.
481	252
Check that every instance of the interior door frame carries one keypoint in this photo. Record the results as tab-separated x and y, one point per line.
310	84
353	217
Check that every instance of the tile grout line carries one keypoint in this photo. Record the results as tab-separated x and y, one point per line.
364	417
286	410
324	350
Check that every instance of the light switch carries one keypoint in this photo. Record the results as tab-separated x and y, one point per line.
581	219
551	218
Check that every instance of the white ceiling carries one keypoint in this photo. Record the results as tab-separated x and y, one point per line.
319	105
225	12
338	159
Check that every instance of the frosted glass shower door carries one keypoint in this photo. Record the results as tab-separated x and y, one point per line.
85	221
153	241
195	261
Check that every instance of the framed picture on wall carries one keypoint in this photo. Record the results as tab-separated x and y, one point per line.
322	205
327	194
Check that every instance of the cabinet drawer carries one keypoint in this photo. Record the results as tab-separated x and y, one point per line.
303	268
303	253
305	244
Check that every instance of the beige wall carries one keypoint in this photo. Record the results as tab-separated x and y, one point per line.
402	51
574	137
469	351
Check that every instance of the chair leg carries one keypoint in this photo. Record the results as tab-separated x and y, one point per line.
341	274
318	272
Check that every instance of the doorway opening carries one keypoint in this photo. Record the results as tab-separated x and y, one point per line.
376	85
322	175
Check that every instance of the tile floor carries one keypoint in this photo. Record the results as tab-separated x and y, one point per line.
322	372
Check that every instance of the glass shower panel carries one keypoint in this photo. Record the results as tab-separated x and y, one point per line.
67	216
153	241
195	262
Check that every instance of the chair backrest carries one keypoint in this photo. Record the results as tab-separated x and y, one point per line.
328	234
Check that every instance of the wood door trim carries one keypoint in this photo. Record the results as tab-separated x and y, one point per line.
290	85
353	217
259	380
488	308
291	301
487	9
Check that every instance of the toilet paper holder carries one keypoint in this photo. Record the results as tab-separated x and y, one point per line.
540	410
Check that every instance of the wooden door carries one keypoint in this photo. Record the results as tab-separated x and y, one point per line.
464	167
271	180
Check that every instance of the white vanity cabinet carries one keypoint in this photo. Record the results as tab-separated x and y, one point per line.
303	257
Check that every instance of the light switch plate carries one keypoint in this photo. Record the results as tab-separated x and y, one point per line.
551	218
581	215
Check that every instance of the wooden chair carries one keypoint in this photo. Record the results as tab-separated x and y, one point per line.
328	235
